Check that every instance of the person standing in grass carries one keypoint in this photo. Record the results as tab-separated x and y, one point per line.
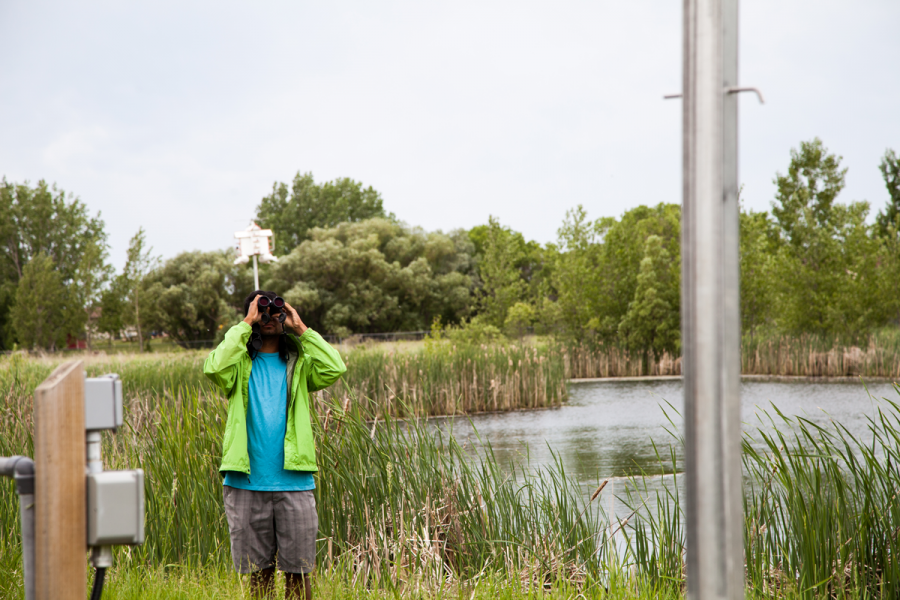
268	451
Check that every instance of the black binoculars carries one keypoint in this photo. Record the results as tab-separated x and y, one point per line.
271	309
256	340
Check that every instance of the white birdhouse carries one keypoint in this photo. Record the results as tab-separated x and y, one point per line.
254	242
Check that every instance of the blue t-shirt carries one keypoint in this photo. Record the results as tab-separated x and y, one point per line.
266	425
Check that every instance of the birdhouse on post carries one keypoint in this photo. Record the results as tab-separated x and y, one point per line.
254	242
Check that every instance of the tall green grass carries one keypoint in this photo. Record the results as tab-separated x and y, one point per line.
142	374
221	583
400	504
821	512
403	508
437	379
447	379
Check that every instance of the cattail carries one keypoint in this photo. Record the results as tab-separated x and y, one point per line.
598	490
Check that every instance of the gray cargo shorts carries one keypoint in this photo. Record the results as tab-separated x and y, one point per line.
264	525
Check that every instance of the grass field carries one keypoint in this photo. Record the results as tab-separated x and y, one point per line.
406	512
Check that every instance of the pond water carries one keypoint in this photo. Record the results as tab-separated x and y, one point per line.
605	429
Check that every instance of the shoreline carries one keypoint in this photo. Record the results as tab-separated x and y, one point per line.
783	378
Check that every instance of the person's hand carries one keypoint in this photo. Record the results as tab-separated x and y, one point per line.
252	314
293	323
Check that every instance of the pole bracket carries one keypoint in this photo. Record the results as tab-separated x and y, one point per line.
738	90
728	90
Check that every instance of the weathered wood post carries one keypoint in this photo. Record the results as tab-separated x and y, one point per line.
59	494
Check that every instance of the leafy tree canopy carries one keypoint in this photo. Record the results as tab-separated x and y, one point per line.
503	283
112	310
376	275
139	264
43	219
293	212
596	271
653	320
890	171
46	312
823	272
804	197
757	250
193	294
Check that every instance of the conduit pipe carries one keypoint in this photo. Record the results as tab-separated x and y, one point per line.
21	469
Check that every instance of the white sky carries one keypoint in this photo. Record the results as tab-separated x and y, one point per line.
178	116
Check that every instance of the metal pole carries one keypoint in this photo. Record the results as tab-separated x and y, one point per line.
255	274
22	470
733	501
26	513
710	302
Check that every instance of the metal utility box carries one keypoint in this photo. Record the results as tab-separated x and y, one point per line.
102	402
115	502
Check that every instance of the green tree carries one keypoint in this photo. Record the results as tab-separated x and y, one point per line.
7	301
519	318
139	263
92	274
757	277
46	313
502	282
887	262
292	213
890	171
376	275
824	272
579	271
35	220
805	196
887	225
530	257
112	310
191	296
597	266
652	322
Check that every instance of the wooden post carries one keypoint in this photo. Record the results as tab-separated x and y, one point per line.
59	494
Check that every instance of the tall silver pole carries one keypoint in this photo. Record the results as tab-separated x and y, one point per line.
710	302
255	274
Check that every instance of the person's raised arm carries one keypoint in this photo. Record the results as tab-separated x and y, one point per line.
326	364
221	364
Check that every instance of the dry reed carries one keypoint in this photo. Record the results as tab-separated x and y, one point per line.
801	356
447	379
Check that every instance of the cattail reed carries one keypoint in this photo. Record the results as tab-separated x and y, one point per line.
404	509
445	379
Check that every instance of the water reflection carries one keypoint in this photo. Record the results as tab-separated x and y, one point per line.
607	429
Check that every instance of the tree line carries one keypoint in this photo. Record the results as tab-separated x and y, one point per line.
811	264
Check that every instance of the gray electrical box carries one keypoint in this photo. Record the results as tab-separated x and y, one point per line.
115	502
102	402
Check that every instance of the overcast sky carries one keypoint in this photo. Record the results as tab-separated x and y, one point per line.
179	116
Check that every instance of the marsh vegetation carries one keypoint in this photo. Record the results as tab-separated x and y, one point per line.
406	509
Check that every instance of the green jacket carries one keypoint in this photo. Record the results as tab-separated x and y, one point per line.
312	365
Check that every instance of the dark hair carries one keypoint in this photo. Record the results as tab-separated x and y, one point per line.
282	339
